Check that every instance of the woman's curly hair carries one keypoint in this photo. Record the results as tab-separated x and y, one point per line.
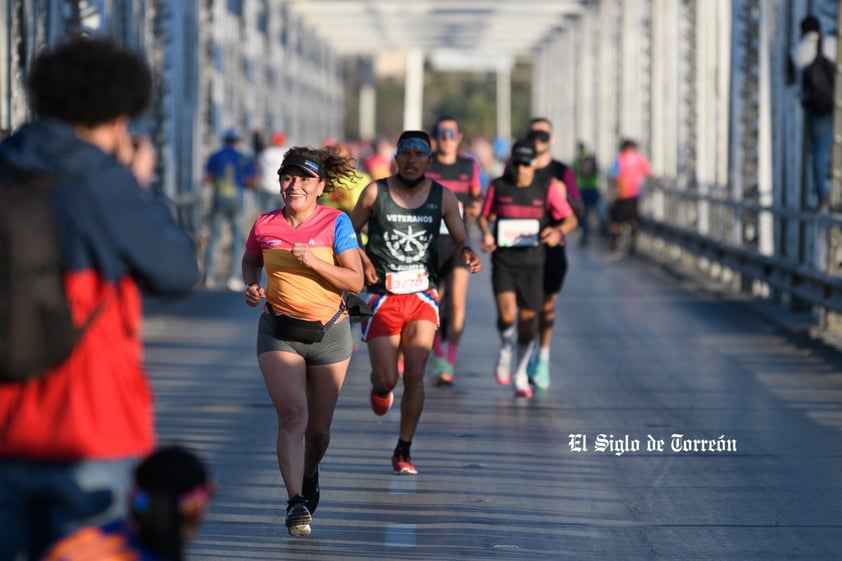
340	171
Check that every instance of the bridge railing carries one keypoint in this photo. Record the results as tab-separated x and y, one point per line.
725	243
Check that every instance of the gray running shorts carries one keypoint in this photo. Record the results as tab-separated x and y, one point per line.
337	345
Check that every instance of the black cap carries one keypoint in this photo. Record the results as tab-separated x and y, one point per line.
311	167
523	152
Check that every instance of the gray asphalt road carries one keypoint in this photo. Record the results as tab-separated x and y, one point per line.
638	357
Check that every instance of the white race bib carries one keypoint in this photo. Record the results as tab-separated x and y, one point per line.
518	232
407	282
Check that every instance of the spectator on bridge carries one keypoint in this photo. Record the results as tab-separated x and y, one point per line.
817	112
481	149
229	172
627	174
555	256
378	164
167	504
461	175
304	340
69	439
529	211
403	214
268	163
587	179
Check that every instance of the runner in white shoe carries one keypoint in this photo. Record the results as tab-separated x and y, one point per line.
555	257
521	208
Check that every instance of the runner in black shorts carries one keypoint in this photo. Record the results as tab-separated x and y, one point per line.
555	267
523	209
627	175
460	174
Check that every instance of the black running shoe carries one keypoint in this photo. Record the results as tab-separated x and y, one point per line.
310	490
298	516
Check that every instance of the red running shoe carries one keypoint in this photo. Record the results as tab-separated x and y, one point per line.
381	404
403	465
523	392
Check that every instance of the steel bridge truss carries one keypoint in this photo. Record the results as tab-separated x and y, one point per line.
706	99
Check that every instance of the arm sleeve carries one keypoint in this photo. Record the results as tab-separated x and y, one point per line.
829	47
210	165
140	225
475	188
344	237
488	202
571	184
557	204
252	245
803	53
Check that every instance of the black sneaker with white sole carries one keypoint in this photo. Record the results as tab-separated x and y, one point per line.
311	492
298	516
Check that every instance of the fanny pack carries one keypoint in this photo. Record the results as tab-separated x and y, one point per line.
304	331
358	310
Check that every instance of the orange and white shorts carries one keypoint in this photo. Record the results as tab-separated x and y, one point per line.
392	312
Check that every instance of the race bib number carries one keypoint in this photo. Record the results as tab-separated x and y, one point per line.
518	232
443	228
407	282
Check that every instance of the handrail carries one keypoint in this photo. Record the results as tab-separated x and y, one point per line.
800	279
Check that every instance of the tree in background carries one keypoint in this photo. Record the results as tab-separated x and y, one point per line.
471	96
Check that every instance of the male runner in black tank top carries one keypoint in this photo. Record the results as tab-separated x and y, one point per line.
403	213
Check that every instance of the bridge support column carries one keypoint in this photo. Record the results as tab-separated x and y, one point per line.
413	90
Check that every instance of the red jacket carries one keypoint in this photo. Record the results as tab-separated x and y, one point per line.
115	238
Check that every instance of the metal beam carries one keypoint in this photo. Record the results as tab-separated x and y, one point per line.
370	26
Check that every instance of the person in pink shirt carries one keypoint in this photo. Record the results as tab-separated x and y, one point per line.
522	213
627	174
310	255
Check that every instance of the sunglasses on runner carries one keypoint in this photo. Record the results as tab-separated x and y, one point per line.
543	136
448	133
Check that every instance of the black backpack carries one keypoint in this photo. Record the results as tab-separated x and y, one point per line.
817	84
36	328
587	166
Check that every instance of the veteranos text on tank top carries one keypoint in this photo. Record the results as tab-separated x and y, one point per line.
404	239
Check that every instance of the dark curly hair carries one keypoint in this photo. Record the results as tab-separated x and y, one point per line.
340	171
89	81
158	503
810	23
